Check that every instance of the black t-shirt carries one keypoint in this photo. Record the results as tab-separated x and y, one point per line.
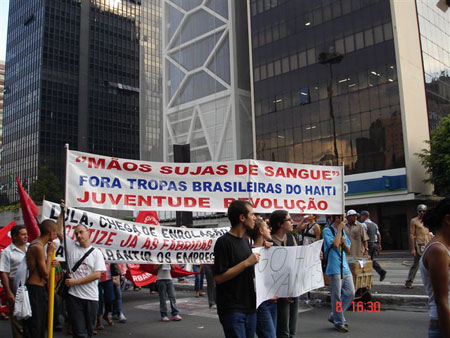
237	294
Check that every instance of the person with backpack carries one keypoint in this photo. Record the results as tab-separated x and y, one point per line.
336	247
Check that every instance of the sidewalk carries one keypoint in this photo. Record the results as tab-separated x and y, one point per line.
391	293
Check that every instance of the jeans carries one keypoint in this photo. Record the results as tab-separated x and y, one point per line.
117	304
413	270
287	317
211	285
238	324
434	332
198	286
376	266
166	288
266	323
342	291
105	296
82	315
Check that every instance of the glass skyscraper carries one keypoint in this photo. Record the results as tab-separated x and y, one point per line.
434	28
83	72
350	82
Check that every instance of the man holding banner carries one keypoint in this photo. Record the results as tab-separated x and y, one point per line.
82	302
234	274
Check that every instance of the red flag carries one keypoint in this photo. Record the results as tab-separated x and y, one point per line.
147	217
139	277
175	272
29	213
5	236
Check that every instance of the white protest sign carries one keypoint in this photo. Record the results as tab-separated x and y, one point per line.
288	271
96	181
129	242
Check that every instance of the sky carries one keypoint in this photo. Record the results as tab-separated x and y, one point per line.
4	7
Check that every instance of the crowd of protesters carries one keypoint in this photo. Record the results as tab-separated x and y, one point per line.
95	287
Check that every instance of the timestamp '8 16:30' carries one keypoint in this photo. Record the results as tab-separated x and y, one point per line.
361	306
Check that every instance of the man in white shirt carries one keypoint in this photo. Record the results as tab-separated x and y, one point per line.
82	302
10	260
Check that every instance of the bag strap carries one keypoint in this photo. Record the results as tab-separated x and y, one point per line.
77	264
328	251
306	231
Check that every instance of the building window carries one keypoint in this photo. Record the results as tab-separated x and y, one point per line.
303	96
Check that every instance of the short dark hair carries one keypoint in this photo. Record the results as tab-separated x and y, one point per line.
236	209
433	218
47	226
16	229
277	218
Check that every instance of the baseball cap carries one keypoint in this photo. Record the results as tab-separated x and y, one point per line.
352	212
365	213
421	207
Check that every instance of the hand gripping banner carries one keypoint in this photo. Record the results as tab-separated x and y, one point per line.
95	181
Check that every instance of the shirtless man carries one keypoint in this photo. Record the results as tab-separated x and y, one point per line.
39	270
419	236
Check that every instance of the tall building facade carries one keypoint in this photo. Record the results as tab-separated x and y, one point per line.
350	83
206	87
434	30
2	88
82	72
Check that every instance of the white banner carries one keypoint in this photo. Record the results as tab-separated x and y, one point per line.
288	271
128	242
96	181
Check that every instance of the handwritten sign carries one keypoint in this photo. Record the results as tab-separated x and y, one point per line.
96	181
288	271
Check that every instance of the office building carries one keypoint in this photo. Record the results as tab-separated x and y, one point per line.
206	100
82	72
2	88
353	83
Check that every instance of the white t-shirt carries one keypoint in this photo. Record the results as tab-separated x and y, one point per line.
164	272
92	263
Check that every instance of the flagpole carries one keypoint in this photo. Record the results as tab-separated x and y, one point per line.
51	298
51	286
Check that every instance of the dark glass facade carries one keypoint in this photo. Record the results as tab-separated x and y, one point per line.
75	72
434	28
291	87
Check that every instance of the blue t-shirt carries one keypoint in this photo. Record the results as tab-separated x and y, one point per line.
334	255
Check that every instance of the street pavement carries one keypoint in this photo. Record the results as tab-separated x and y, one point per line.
142	311
396	319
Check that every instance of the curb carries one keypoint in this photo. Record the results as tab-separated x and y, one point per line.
385	299
394	300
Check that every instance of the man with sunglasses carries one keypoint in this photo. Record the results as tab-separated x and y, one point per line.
419	236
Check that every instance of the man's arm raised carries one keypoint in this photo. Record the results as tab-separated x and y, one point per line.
60	220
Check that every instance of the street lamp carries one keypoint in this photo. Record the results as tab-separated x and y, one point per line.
331	58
